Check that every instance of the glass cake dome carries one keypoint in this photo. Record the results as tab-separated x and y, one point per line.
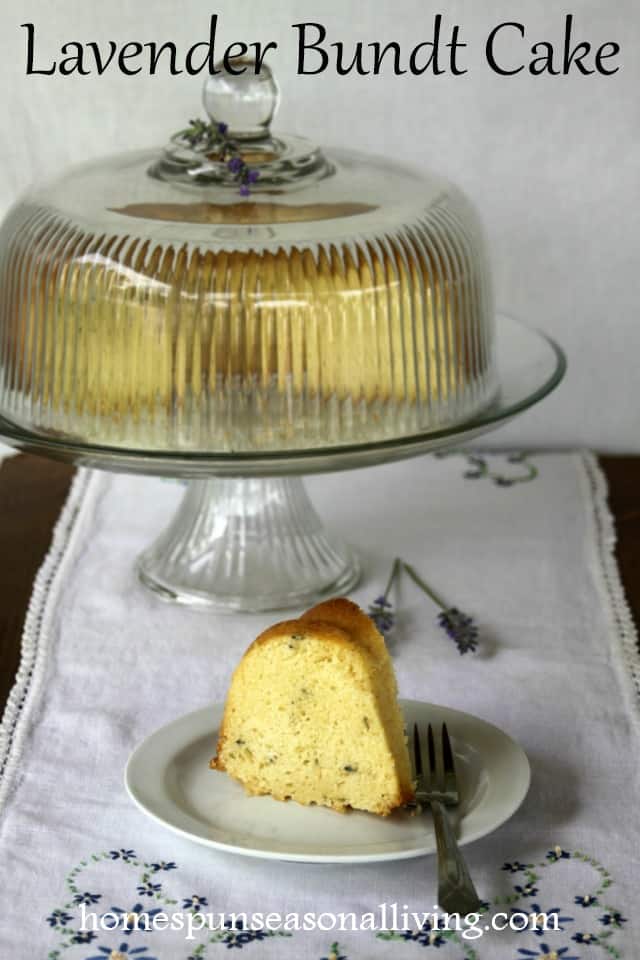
243	307
243	291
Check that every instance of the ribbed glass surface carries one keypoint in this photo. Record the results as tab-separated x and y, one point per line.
260	542
124	339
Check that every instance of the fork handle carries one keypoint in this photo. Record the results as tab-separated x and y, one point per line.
456	892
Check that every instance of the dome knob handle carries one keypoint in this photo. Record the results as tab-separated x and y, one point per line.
245	101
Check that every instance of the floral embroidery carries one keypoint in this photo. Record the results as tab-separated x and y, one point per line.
527	891
149	889
534	874
163	865
86	898
334	953
427	935
478	468
553	914
122	854
83	936
558	953
614	919
606	918
558	854
237	936
585	900
58	918
130	920
194	903
585	938
122	953
430	936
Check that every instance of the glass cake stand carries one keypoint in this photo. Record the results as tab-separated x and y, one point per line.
246	536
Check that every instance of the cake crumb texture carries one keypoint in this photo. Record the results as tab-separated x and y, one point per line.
312	715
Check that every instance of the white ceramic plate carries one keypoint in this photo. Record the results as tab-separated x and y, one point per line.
168	777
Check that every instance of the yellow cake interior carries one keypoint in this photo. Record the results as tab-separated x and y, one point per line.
312	715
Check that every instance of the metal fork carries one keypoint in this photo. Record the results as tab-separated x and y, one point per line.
438	788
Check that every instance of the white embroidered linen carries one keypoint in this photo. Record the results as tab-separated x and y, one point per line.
105	664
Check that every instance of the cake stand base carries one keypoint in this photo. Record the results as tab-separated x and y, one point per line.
247	544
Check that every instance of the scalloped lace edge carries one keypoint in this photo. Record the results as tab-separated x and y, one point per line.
603	526
24	696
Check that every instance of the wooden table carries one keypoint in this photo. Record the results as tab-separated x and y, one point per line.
33	491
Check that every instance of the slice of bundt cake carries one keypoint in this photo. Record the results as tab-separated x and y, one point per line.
312	715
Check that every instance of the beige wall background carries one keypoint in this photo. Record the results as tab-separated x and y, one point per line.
553	163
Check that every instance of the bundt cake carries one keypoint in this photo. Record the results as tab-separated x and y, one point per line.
312	715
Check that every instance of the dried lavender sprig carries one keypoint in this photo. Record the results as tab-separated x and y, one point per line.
424	586
381	610
459	626
199	133
208	136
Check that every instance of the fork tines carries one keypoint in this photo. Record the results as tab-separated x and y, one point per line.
447	752
440	775
417	751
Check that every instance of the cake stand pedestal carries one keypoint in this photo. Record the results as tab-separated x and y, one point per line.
246	536
247	543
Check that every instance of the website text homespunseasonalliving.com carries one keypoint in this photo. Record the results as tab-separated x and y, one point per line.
386	917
